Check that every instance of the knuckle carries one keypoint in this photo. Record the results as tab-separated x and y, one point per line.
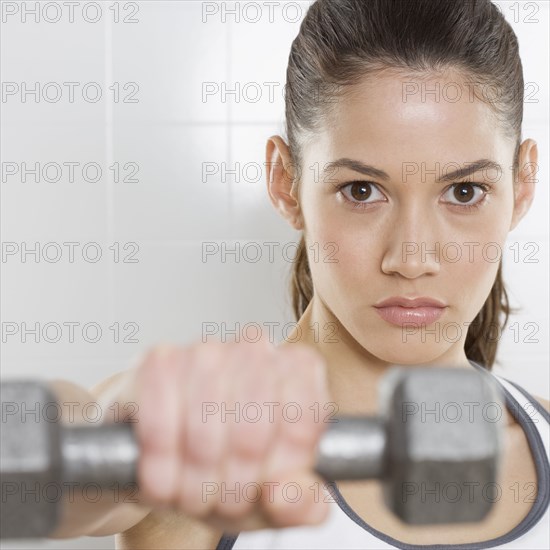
252	441
301	434
204	442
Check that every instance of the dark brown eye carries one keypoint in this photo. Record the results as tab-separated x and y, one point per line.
360	191
361	194
464	192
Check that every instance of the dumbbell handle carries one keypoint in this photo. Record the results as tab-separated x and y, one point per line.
350	448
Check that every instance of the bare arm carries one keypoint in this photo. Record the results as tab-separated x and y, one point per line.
80	517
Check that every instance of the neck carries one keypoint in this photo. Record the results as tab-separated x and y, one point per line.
353	373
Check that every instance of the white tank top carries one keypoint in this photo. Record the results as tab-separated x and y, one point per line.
345	529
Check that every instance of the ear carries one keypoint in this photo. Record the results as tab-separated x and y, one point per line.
281	178
524	186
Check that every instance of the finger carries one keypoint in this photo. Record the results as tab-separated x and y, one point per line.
250	429
297	499
157	429
204	437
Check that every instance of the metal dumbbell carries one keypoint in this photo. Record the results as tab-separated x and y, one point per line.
433	431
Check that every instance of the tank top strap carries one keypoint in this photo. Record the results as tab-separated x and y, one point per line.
528	412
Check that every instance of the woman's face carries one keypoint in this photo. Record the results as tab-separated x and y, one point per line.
411	233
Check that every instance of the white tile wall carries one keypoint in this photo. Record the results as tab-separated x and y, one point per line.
260	45
170	53
528	19
173	211
174	200
53	55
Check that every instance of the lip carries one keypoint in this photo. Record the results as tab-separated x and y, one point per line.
411	302
399	310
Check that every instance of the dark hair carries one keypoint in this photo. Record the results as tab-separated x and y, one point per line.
342	41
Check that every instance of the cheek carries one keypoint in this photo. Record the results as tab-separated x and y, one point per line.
472	264
474	274
470	279
337	246
343	261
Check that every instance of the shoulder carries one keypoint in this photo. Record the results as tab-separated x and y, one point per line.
543	402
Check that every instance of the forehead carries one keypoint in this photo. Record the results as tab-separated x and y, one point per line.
394	118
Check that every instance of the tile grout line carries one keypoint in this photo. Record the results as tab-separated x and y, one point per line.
109	157
229	130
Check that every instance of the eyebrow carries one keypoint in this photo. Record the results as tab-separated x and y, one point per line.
373	172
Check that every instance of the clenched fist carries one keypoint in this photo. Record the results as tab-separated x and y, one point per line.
223	427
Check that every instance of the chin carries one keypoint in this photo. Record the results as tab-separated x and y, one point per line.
412	352
395	345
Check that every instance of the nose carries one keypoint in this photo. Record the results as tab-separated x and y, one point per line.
412	249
